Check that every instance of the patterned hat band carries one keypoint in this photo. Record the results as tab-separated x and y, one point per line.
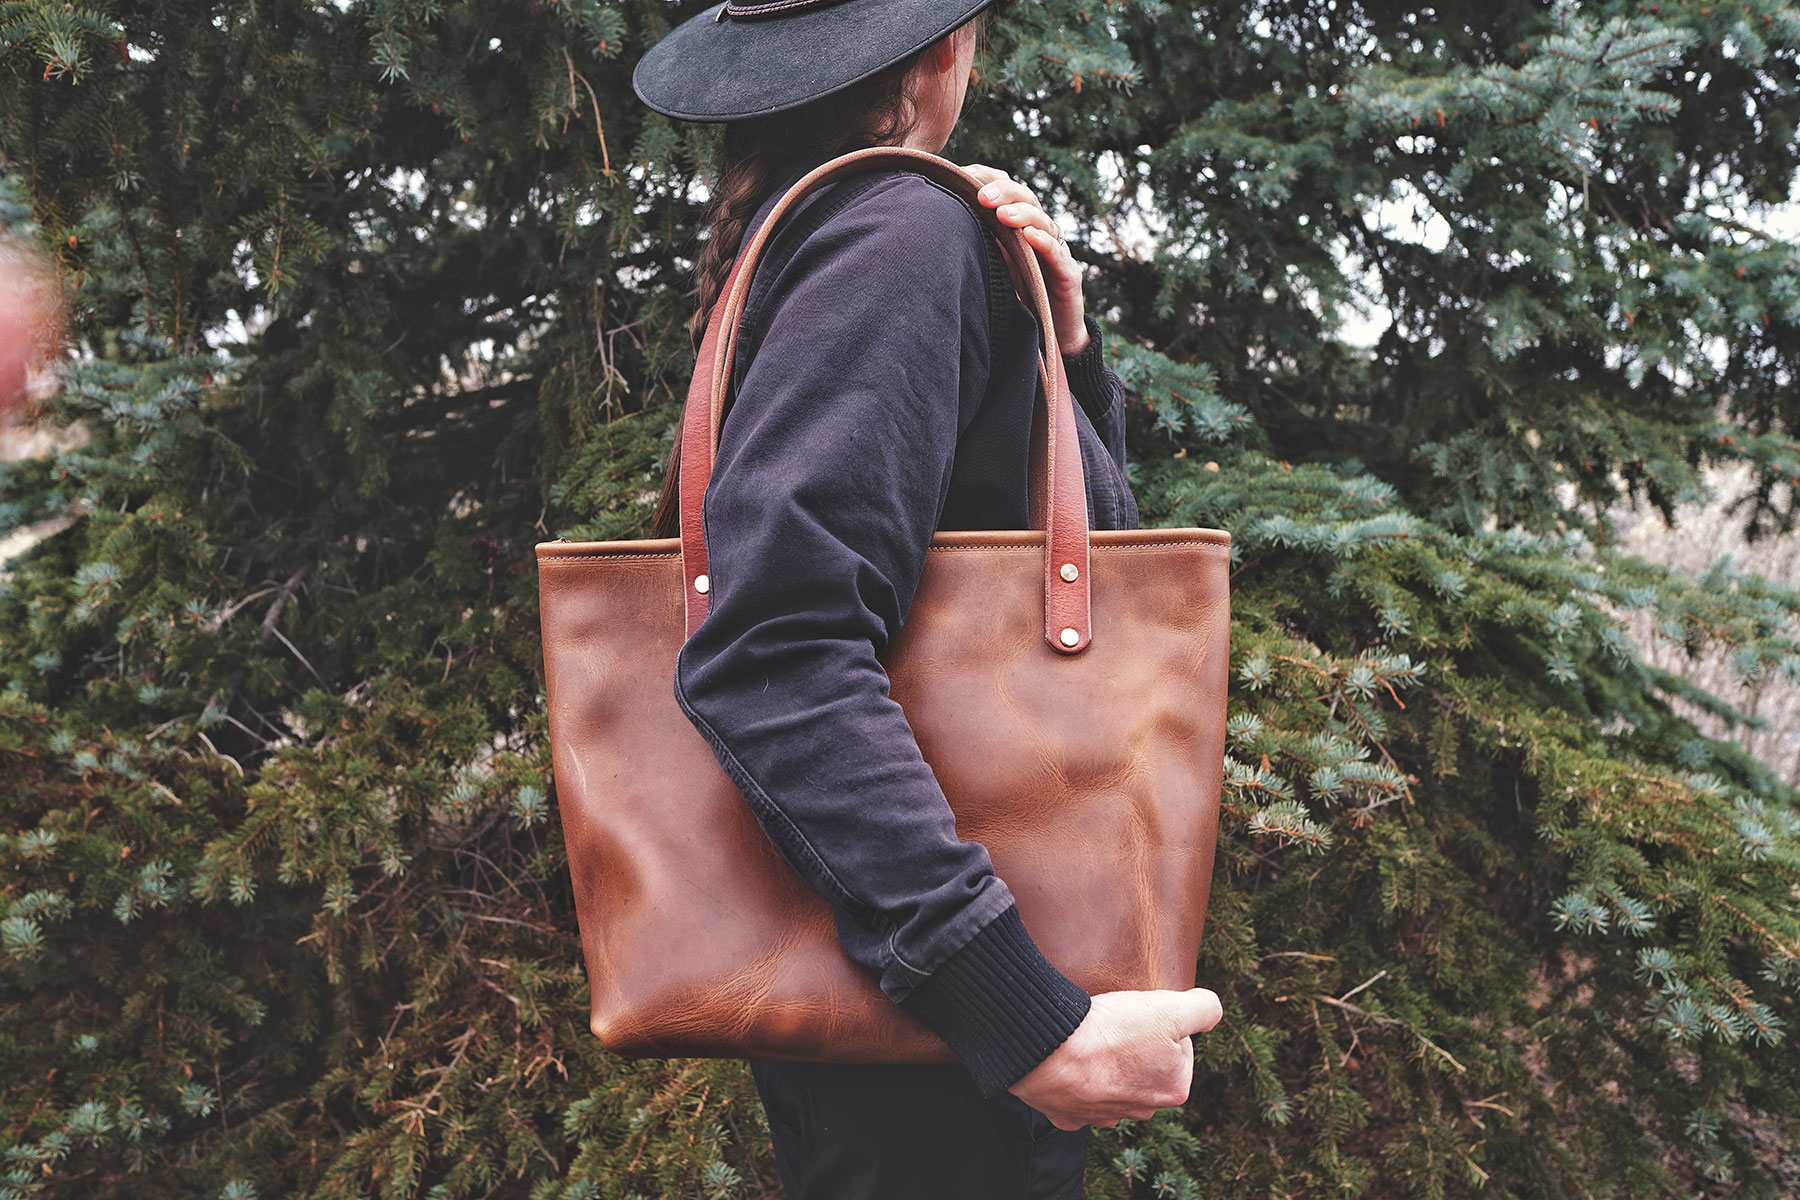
769	8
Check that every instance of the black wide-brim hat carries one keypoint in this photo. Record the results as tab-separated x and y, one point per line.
748	59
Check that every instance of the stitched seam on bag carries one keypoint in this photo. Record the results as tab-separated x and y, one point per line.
1106	548
556	558
1102	549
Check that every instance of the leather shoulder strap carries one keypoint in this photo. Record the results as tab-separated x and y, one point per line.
1058	487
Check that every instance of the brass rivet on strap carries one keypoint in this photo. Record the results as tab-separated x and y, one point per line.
702	584
1070	637
1070	572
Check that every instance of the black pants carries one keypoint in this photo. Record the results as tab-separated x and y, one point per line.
856	1131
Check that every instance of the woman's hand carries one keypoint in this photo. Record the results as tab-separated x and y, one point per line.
1133	1054
1016	206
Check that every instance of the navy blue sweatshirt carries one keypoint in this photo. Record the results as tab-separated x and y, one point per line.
884	386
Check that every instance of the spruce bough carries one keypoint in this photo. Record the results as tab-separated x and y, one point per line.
371	296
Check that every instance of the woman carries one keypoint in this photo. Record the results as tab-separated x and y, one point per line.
884	385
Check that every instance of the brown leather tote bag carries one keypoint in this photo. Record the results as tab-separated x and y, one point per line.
1067	688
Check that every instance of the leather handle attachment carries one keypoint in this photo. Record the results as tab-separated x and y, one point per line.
1058	486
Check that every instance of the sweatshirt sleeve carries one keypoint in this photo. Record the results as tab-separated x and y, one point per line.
1101	395
1098	390
832	469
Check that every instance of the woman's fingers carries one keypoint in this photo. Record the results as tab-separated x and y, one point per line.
1027	216
1063	278
1056	256
998	188
1050	244
1003	191
1014	205
1012	201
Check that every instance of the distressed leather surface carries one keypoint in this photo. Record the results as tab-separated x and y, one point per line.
1093	779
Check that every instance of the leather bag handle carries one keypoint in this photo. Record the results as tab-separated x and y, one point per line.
1058	486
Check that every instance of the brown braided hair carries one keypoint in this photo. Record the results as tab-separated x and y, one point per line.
875	111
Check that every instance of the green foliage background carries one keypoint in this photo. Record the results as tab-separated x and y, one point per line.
371	295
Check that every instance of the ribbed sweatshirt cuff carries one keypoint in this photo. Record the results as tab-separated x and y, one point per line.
1087	371
999	1004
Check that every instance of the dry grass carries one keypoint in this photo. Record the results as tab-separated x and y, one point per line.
1702	535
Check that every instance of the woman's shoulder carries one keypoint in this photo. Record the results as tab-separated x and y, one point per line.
877	242
906	196
885	215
